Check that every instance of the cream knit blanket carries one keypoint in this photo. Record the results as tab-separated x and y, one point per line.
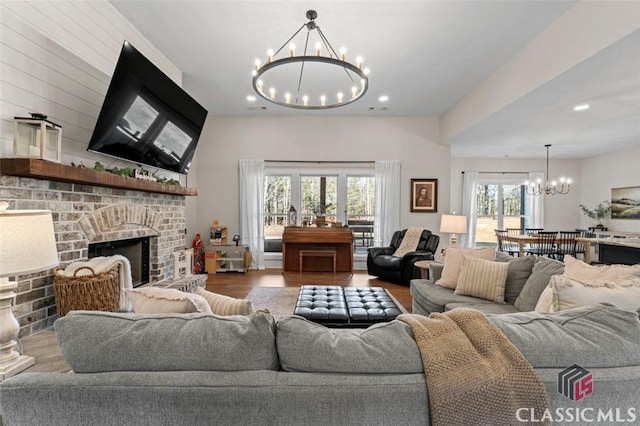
409	242
474	374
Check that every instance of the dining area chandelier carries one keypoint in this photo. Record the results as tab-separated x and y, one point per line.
561	187
294	77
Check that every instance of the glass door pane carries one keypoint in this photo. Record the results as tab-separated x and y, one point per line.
277	200
487	214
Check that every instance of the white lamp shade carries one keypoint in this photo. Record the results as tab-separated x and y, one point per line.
453	224
27	242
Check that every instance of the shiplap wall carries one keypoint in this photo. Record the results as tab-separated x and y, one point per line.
57	58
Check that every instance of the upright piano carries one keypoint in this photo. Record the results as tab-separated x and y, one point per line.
295	239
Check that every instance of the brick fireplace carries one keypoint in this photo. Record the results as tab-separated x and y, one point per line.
85	214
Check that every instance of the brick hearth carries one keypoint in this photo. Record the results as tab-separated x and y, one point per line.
86	213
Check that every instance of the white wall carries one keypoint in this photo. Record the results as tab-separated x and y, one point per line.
226	140
600	174
56	58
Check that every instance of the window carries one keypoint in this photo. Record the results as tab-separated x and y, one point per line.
342	193
499	206
319	198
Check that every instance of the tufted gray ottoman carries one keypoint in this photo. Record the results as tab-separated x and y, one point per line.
346	306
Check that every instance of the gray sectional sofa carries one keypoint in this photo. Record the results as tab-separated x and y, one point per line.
527	278
199	369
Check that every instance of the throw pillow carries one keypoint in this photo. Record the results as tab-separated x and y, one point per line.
569	293
545	302
453	263
225	305
155	300
482	278
580	270
517	276
543	269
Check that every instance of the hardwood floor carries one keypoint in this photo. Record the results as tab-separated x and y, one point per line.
44	347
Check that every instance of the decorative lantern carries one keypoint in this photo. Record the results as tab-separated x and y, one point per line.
37	137
293	216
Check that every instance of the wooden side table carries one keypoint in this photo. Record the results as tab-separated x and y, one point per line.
423	265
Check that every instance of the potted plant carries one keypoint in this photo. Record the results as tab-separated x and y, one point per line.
600	212
318	209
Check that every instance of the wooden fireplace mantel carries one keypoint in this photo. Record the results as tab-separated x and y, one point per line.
42	169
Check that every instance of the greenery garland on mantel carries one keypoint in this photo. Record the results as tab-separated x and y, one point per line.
129	172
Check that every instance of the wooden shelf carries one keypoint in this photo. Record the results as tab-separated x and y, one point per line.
42	169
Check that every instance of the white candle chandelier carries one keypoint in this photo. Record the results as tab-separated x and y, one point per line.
548	188
322	81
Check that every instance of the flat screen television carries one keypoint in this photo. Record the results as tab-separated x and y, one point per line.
146	118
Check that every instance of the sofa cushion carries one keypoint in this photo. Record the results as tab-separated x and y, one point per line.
485	308
543	269
156	300
592	336
225	305
567	293
434	298
453	263
482	278
93	342
384	348
519	272
579	270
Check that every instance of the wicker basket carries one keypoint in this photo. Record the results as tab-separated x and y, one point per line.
95	292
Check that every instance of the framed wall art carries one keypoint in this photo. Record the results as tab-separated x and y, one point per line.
424	195
625	203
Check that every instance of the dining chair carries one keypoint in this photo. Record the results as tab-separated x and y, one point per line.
530	231
505	245
544	245
581	247
514	232
566	244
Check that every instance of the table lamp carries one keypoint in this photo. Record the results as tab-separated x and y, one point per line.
27	245
453	224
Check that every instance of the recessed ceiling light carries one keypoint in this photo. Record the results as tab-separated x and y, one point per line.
383	98
581	107
251	98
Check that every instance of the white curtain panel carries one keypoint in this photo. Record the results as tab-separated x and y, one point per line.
535	214
469	208
387	215
252	208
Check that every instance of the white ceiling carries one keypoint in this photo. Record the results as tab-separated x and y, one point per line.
424	55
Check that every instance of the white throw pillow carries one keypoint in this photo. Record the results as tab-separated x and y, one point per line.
568	293
545	303
580	270
155	300
225	305
482	278
453	263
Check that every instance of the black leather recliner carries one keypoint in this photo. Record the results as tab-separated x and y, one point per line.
382	264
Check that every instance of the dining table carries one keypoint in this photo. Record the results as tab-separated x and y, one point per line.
525	239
